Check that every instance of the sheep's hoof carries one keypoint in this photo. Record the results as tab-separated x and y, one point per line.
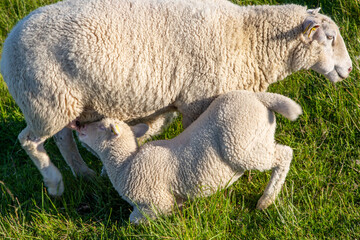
264	203
87	173
55	189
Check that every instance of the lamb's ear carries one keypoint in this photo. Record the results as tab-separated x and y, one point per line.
310	26
140	129
313	11
115	129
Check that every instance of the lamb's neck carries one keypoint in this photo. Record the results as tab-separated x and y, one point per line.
267	43
116	160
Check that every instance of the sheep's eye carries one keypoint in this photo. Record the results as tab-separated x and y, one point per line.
102	127
330	37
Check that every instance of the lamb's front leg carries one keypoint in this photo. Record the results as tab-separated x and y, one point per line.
283	156
138	215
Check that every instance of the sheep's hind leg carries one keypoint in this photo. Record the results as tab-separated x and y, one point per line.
281	166
158	124
68	149
34	147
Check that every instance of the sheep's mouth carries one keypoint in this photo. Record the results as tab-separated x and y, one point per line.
340	76
335	76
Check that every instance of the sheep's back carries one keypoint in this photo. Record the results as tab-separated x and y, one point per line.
108	52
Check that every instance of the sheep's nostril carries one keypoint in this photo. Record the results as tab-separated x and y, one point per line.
350	68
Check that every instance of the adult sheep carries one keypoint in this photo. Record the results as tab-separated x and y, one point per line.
134	59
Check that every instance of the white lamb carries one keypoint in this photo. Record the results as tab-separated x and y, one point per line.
236	133
78	61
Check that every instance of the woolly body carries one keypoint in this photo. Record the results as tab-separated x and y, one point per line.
135	60
236	133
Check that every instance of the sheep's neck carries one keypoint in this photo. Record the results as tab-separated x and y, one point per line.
265	49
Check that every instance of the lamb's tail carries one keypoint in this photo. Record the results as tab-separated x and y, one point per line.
280	104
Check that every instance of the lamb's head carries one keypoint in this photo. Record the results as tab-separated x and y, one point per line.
110	133
329	54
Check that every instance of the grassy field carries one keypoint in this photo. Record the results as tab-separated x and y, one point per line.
320	199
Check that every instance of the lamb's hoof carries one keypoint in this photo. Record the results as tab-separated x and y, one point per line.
55	189
103	172
136	220
136	217
139	221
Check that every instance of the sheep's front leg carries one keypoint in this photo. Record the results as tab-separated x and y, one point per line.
34	147
68	149
281	166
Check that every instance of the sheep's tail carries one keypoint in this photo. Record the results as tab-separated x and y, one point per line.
280	104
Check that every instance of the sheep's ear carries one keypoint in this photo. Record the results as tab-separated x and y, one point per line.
140	129
115	129
310	26
313	11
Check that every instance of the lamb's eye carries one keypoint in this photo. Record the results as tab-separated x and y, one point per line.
102	127
330	37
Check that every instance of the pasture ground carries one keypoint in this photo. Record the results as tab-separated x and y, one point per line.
320	199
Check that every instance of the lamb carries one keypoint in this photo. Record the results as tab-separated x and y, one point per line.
79	61
236	133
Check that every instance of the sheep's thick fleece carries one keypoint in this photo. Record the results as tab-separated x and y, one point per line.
134	59
236	133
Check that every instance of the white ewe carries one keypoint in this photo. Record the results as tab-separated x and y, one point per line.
236	133
78	61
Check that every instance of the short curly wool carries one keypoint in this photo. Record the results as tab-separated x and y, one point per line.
135	60
236	133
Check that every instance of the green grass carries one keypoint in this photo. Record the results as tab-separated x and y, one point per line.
320	199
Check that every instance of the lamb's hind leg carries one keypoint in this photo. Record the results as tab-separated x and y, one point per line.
34	146
137	215
152	212
161	203
281	166
68	149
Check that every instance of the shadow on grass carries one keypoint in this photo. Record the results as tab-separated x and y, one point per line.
91	202
22	191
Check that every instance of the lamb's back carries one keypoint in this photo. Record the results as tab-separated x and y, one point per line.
246	129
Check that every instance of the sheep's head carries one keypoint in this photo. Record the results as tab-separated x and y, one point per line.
332	58
109	132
